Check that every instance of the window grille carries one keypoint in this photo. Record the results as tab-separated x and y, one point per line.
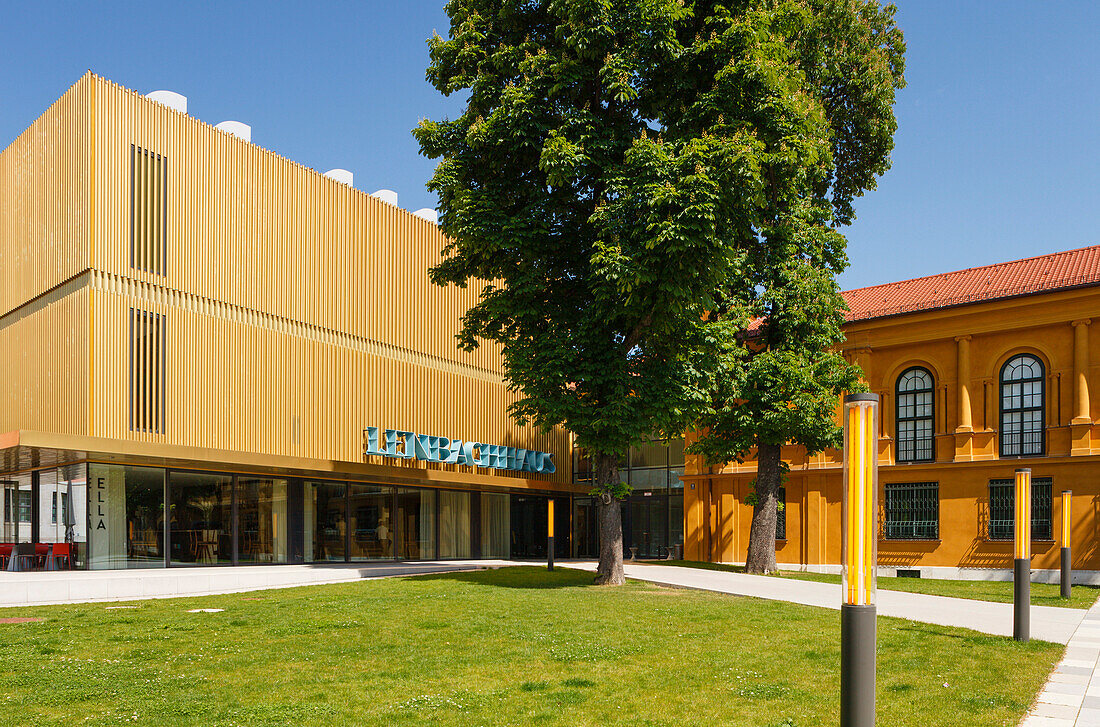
1022	400
781	514
1002	500
148	210
915	402
912	511
147	344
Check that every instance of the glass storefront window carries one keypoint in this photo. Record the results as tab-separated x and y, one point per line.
416	524
585	533
454	524
63	509
496	526
201	520
17	509
262	520
676	520
325	519
53	508
119	516
651	478
648	524
370	521
653	517
582	466
125	517
528	526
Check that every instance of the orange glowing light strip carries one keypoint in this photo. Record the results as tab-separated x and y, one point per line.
867	531
1023	513
1067	503
550	518
853	488
860	513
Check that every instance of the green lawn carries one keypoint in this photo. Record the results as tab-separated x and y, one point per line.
515	646
1042	594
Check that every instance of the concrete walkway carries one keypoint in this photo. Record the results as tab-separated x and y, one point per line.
1047	623
58	587
1071	698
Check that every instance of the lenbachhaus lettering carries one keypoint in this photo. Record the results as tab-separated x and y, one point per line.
399	444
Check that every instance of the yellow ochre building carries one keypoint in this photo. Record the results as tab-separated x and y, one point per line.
979	372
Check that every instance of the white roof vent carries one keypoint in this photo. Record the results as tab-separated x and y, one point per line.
171	99
386	195
236	128
427	213
341	175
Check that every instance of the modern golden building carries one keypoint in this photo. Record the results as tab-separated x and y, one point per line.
216	355
979	372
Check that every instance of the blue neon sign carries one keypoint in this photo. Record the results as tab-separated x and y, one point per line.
398	444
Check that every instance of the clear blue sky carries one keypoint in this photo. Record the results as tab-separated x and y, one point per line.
998	150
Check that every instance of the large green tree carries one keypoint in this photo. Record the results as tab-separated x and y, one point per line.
624	176
787	373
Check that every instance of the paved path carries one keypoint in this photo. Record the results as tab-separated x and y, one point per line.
1072	696
1047	622
57	587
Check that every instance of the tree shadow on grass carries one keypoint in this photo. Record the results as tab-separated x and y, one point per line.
973	637
523	577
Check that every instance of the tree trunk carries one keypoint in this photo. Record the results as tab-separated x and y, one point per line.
761	556
609	518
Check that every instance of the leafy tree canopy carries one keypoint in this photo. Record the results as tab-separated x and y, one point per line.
637	179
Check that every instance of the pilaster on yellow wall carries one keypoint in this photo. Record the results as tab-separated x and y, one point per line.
1081	424
962	375
989	404
1081	413
964	429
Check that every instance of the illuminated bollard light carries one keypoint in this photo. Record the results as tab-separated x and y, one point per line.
1021	574
550	534
1067	554
859	545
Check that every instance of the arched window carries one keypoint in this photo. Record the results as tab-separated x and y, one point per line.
915	442
1022	406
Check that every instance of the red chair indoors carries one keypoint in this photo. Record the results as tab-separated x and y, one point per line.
41	552
60	552
5	554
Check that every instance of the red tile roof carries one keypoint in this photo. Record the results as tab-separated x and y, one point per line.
1042	274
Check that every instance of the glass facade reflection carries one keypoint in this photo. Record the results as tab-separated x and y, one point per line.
109	516
325	520
454	524
653	515
416	524
201	520
371	522
495	525
126	517
261	520
529	526
17	505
